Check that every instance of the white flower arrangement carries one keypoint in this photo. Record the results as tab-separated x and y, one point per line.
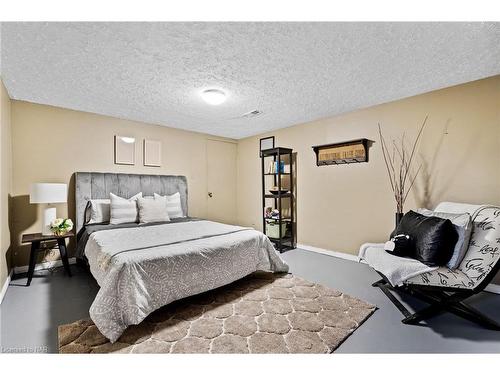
61	226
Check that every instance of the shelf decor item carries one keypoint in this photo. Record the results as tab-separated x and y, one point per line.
355	151
266	144
61	226
268	211
48	193
273	229
278	198
399	164
276	190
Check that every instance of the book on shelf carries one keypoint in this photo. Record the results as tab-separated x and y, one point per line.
272	167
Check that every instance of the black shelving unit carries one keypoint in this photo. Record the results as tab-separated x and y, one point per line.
284	241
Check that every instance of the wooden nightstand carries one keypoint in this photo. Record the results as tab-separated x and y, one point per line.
36	239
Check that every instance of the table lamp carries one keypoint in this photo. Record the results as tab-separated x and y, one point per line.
48	193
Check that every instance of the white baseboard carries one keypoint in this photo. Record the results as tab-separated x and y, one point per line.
44	265
492	288
331	253
5	286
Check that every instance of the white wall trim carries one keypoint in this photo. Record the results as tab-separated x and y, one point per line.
331	253
44	265
5	286
492	288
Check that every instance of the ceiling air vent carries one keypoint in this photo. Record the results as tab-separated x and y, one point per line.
253	113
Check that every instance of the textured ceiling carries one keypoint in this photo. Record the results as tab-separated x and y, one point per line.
292	72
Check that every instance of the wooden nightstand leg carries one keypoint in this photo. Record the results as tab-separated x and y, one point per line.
34	247
64	255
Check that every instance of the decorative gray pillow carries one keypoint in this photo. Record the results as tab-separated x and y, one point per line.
124	210
174	207
98	211
152	210
463	225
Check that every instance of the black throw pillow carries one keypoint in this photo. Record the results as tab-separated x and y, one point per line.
400	246
432	238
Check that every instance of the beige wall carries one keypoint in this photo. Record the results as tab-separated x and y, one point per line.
340	207
5	181
50	144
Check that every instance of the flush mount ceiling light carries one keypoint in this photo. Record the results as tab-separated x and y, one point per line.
214	96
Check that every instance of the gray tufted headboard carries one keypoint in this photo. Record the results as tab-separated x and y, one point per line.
94	185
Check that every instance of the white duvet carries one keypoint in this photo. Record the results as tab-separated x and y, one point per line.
141	269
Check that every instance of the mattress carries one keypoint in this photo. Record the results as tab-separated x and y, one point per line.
141	268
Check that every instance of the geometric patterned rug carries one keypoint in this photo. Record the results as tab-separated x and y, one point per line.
261	313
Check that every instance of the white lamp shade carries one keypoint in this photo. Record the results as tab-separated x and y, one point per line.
48	193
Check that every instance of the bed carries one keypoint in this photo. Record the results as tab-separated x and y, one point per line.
142	267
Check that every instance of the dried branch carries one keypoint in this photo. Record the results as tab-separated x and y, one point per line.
399	165
415	145
412	182
382	142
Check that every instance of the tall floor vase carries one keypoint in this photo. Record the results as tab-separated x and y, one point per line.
398	217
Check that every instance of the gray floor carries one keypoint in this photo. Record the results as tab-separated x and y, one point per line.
30	316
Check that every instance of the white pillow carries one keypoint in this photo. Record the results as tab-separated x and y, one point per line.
174	207
152	210
463	225
97	211
124	210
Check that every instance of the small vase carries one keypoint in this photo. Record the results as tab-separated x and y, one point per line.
398	217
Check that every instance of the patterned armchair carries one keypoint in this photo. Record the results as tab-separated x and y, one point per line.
482	256
445	289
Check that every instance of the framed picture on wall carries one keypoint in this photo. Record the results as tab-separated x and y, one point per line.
266	143
124	150
152	153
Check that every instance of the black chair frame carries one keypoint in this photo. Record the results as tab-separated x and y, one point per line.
440	299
